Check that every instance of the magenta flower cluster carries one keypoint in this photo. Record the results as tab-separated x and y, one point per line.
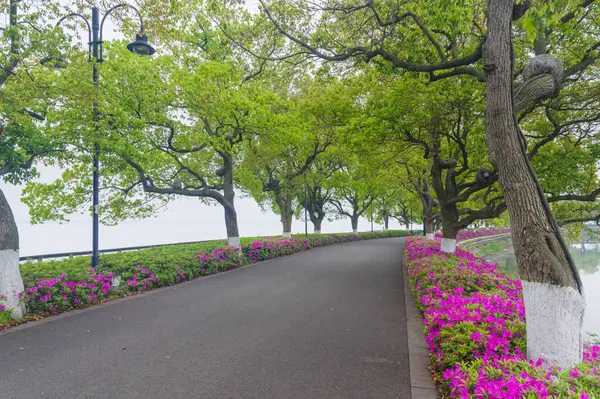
52	295
275	247
142	280
475	329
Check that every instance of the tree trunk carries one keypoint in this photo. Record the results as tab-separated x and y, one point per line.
231	223
386	222
317	224
552	290
11	283
437	224
449	233
286	213
354	221
429	228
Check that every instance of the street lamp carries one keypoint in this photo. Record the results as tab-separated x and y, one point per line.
138	46
371	216
305	210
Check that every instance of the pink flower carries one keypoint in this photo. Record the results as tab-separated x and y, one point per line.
476	336
574	373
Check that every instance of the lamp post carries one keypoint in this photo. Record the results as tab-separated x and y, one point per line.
410	219
371	216
305	211
139	46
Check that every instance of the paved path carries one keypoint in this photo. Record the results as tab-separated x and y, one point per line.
326	323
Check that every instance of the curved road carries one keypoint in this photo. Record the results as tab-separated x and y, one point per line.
326	323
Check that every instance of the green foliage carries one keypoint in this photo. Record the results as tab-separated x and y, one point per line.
160	259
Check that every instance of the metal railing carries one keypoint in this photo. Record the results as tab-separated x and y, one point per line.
478	240
71	254
60	255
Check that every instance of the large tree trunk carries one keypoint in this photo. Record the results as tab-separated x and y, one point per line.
11	283
231	223
386	222
317	224
552	290
449	232
445	189
429	227
286	213
354	221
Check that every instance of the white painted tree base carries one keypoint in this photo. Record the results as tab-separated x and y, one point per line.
287	234
448	245
234	242
355	231
554	316
317	232
430	236
11	283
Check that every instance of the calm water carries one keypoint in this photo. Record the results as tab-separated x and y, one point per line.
587	259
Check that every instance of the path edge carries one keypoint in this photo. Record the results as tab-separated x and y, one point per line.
421	382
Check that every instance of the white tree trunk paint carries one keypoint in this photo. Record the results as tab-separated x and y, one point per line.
430	236
355	231
287	234
317	231
11	283
234	242
554	323
448	245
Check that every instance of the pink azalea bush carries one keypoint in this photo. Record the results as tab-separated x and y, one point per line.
54	295
475	329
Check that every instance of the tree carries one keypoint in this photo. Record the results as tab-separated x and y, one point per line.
405	208
355	188
280	165
319	192
183	135
443	123
417	178
23	140
378	34
398	199
283	156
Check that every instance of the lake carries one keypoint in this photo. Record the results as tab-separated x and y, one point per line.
587	259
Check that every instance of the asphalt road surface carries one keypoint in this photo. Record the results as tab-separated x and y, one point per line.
326	323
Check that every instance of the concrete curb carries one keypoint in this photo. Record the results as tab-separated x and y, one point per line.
421	382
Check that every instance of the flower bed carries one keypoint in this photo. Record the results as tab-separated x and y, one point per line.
69	290
475	329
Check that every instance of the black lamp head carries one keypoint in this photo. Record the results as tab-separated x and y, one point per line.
140	45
